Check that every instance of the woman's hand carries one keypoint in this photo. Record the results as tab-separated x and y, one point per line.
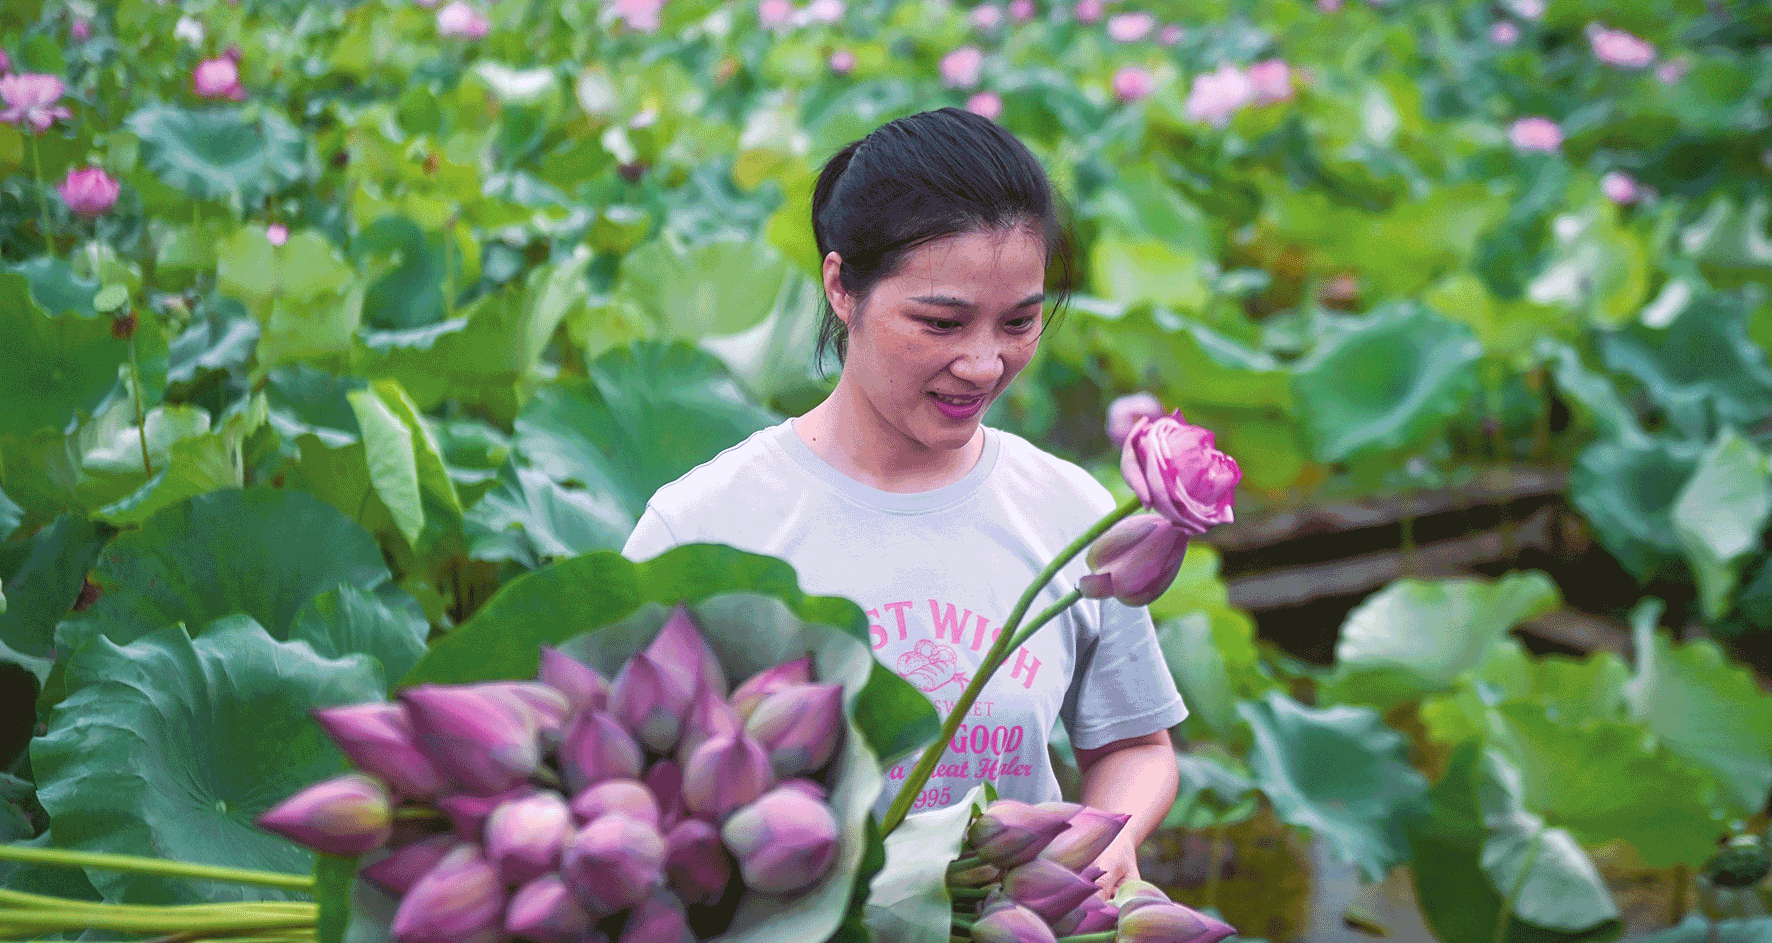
1137	777
1120	864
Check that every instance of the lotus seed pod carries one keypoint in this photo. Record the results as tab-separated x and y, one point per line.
524	836
583	687
377	738
613	864
1010	833
596	747
651	702
696	863
461	900
1091	832
1148	920
724	774
709	717
658	919
1093	915
767	682
544	911
665	779
784	842
1009	922
800	727
483	741
402	868
1047	888
347	815
630	797
467	813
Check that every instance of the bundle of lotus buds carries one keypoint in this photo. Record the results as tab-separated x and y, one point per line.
570	809
1026	875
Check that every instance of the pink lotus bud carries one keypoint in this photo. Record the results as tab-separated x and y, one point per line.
1125	411
1504	33
1093	915
377	738
276	234
596	747
1535	134
799	727
458	901
1673	70
399	871
775	14
1021	10
639	15
658	919
346	815
1216	96
630	797
1272	81
1092	873
478	738
1619	48
1130	27
1089	11
724	774
842	62
986	17
90	192
986	105
651	702
680	650
1619	187
544	911
524	836
80	31
784	842
1047	888
976	876
1148	920
745	699
217	78
665	781
1059	807
709	717
31	99
1133	83
1135	561
809	788
1091	832
962	67
1171	35
696	863
1009	922
462	20
613	864
1010	833
545	703
468	812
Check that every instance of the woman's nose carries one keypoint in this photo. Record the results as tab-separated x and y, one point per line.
981	364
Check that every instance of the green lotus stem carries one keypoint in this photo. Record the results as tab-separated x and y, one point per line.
42	196
133	864
955	938
963	923
25	899
1047	615
417	812
1513	895
141	417
970	893
1215	849
51	922
1679	906
1105	936
962	864
994	658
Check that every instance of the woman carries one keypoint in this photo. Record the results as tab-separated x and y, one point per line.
936	231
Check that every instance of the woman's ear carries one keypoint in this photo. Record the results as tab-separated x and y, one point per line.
841	302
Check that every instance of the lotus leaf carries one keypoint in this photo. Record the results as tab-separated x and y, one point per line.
393	465
1212	794
1627	491
908	901
1719	514
52	367
44	585
1544	870
220	153
530	519
10	515
1702	364
1696	928
385	624
1597	268
1731	237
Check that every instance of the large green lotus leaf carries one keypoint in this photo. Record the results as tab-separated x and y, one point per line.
1131	271
1719	514
257	551
712	289
771	359
171	747
1140	203
1596	267
1553	882
1731	237
411	293
10	515
1341	773
1195	364
393	463
44	587
530	519
385	624
1626	490
1570	690
308	300
52	367
305	400
220	153
1458	899
1390	382
1686	692
1212	656
1703	362
1697	929
66	883
909	900
433	471
1593	393
1416	637
1214	792
647	414
1606	781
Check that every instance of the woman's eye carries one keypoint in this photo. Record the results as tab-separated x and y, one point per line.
941	325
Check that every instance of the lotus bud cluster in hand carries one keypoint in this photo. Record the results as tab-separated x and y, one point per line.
1027	875
576	809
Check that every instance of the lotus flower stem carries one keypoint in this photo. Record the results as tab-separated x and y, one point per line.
1105	936
419	812
141	418
963	923
994	658
42	196
963	864
971	893
27	901
133	864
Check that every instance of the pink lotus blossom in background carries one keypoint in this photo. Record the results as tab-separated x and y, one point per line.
842	62
31	99
277	233
639	15
1673	70
90	192
961	68
1619	48
460	19
1130	27
81	31
1535	134
1620	187
1329	6
1215	96
1089	11
1133	83
1171	35
188	31
987	17
1527	9
987	104
5	63
775	14
1504	33
217	78
1021	10
827	12
1272	81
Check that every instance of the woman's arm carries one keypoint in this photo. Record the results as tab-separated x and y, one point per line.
1137	776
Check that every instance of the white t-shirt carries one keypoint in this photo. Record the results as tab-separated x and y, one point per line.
937	573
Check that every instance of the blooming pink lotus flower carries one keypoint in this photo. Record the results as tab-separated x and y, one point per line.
398	872
827	12
277	234
1010	832
1215	96
1619	48
544	910
1619	187
613	864
1130	27
748	695
986	104
377	737
695	861
630	797
90	192
1272	81
962	67
1089	11
842	62
1504	33
1535	134
1171	35
784	842
31	99
459	901
1133	83
724	774
462	20
1125	411
524	836
346	815
596	747
217	78
1176	470
1021	10
1673	70
639	15
987	17
775	14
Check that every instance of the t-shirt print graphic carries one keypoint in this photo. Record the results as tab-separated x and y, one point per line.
928	666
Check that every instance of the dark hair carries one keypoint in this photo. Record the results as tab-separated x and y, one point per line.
921	178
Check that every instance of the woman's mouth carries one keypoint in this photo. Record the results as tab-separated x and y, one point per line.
957	407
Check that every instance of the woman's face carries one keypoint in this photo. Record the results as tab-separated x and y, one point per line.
961	318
